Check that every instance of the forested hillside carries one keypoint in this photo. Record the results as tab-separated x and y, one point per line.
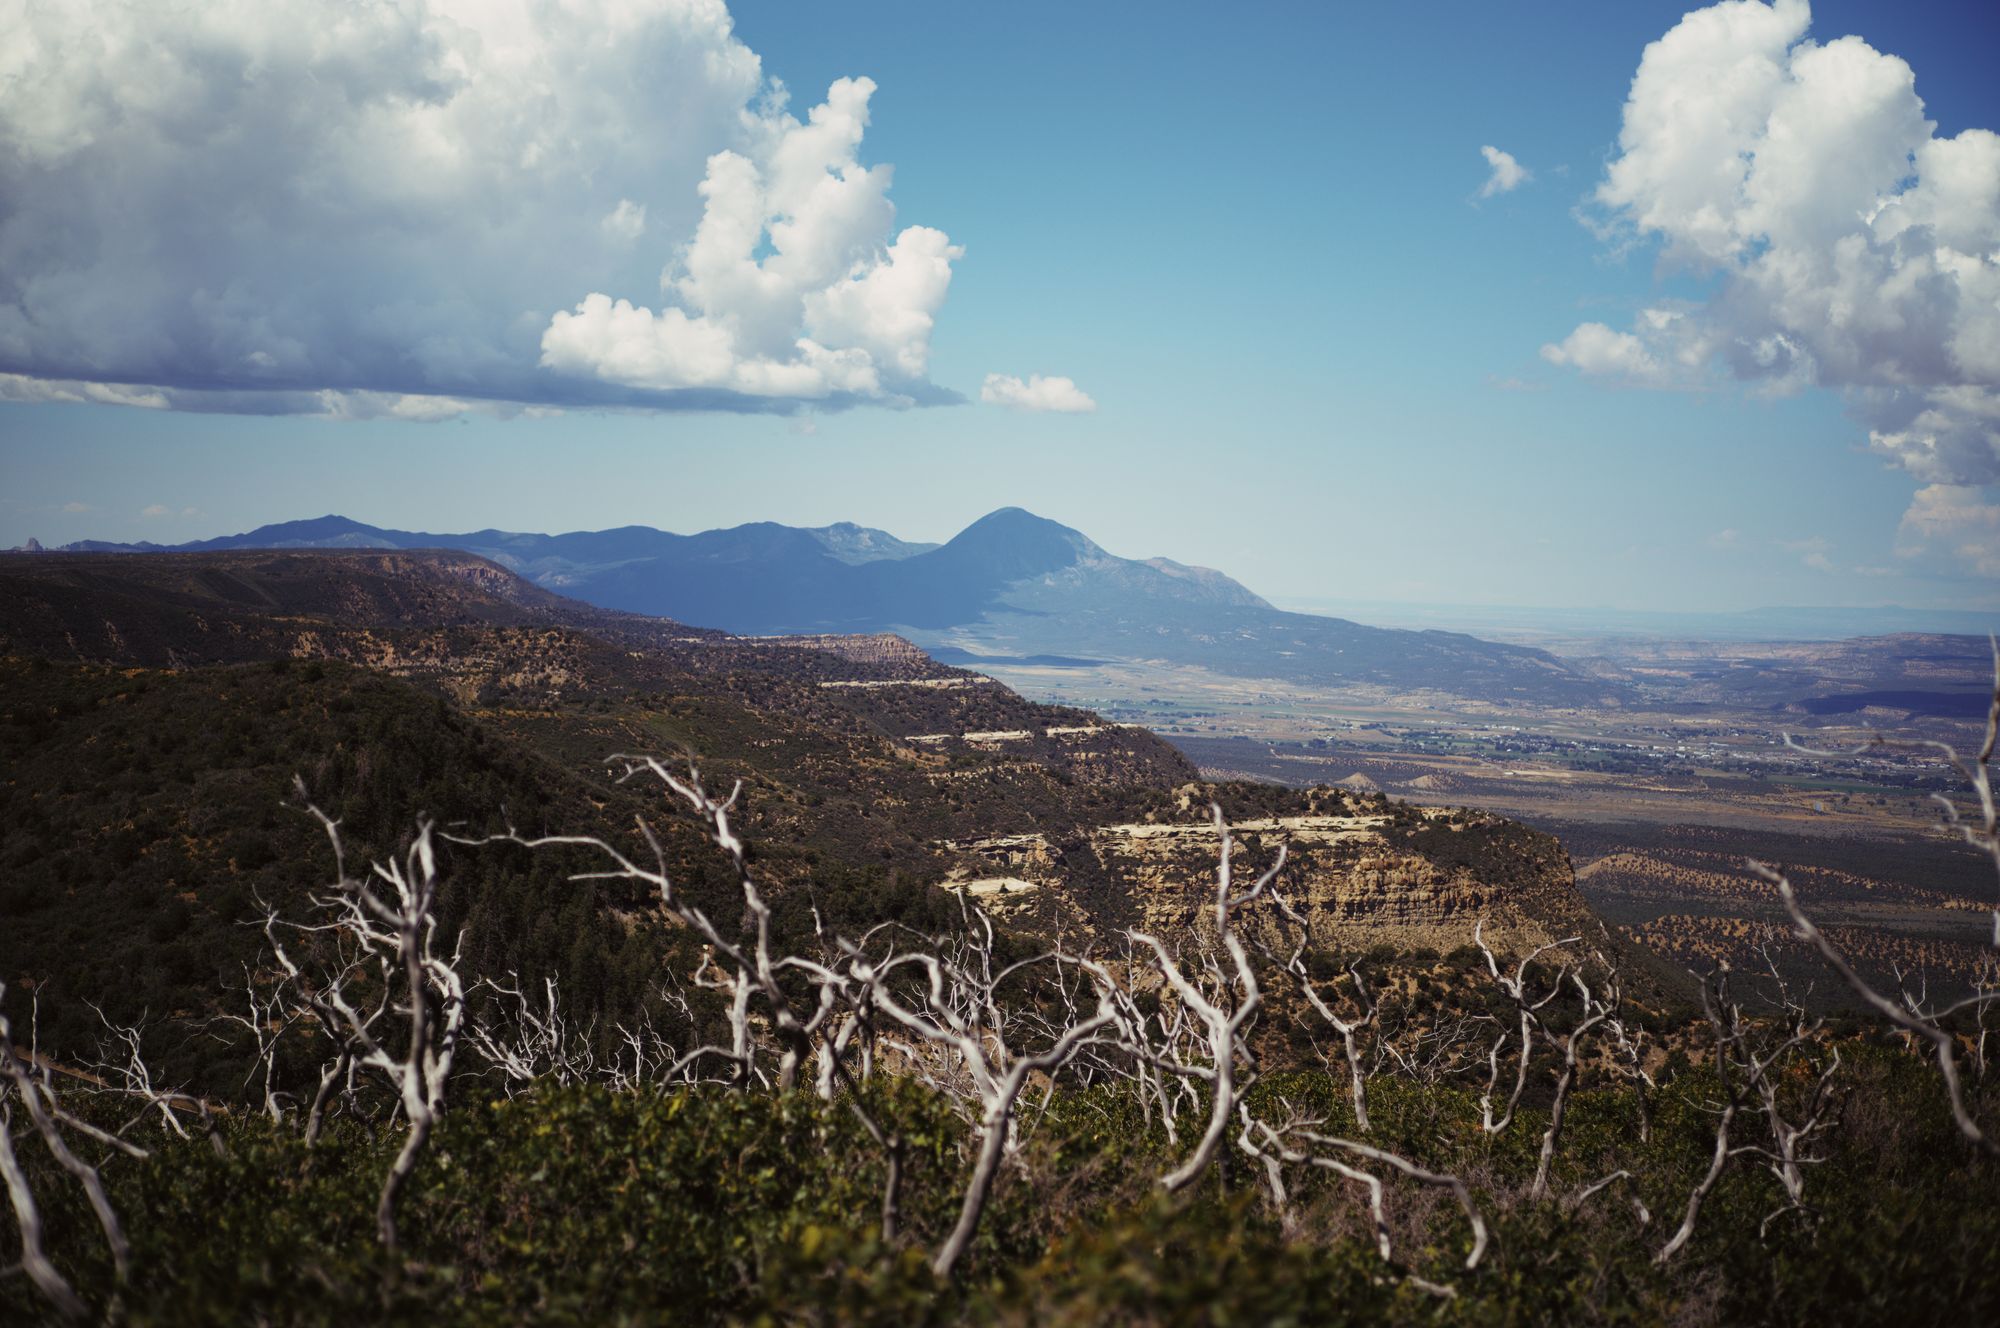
158	711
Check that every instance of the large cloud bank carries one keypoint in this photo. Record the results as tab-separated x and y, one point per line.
1854	248
399	206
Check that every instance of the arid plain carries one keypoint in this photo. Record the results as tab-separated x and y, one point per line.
1813	756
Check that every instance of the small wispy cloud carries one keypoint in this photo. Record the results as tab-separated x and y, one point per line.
1507	173
32	391
627	221
1038	393
1814	551
1671	353
75	508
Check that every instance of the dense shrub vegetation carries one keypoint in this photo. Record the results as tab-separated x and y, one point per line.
587	1206
145	815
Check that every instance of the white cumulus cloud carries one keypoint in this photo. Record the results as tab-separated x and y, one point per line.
1956	521
1598	349
1036	393
250	204
1506	172
1851	248
792	286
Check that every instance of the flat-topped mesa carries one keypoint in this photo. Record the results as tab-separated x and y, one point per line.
466	568
362	587
1364	871
881	651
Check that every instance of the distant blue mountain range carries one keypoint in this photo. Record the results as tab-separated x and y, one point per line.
1010	585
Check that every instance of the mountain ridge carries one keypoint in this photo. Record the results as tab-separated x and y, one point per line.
1011	584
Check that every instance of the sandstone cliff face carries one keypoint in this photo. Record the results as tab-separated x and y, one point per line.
544	661
1363	872
893	655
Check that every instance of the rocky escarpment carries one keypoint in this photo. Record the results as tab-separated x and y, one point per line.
891	654
858	744
1364	871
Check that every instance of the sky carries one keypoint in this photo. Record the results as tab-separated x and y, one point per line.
1576	304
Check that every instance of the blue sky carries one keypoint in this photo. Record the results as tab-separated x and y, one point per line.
1254	241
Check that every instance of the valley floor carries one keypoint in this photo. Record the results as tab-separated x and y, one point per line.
1658	808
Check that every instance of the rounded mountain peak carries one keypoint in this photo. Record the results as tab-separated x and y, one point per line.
1014	543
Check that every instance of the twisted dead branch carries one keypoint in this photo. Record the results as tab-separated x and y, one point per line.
36	1097
1981	829
391	940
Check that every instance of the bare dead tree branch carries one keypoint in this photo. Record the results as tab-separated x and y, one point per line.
268	1017
1222	1005
394	933
1350	1029
1528	1010
37	1100
1273	1146
1595	1010
1726	1024
1943	1043
35	1262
